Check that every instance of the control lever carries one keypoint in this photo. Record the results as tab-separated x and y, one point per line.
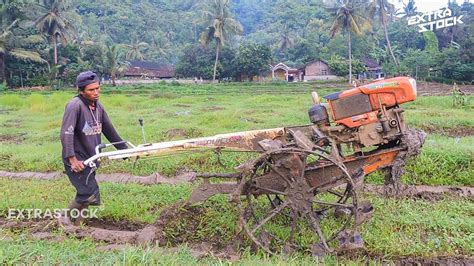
140	120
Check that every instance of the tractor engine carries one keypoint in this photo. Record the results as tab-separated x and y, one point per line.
365	116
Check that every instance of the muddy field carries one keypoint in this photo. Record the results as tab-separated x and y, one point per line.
436	89
117	235
114	235
111	234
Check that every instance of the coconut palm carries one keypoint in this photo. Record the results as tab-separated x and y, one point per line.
54	24
286	39
135	50
347	17
13	44
114	64
409	9
220	26
382	9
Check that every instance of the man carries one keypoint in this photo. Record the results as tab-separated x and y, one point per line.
83	122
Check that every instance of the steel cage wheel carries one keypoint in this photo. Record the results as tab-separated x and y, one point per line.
300	209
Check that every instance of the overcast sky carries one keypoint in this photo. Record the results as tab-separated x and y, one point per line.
426	5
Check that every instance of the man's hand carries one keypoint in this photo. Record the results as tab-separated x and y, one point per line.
76	165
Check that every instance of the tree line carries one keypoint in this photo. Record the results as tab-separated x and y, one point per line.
46	42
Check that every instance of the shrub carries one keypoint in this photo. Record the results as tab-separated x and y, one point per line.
166	95
175	83
37	81
11	100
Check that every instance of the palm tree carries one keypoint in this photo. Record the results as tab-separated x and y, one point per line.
221	26
54	24
347	18
408	9
13	44
135	50
160	47
113	62
383	8
286	38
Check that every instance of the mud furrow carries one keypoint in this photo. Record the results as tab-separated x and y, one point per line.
151	235
423	192
419	191
121	178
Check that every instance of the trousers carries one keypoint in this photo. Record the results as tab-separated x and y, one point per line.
87	189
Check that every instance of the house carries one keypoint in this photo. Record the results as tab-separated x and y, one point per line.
316	70
149	70
281	71
374	70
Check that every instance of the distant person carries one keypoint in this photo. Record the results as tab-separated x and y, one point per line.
83	123
355	83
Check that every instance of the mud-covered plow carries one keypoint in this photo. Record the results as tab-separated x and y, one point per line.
300	192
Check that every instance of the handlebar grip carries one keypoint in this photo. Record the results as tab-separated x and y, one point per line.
101	146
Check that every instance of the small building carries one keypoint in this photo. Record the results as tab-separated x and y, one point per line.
149	70
316	70
281	71
374	70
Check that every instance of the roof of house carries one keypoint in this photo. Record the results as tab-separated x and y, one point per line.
312	62
282	66
151	69
371	63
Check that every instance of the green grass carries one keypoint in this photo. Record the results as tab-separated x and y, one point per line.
145	207
29	141
72	251
438	112
30	127
403	227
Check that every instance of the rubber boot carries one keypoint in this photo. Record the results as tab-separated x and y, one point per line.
83	206
80	218
65	218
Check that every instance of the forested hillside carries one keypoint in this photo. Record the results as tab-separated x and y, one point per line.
48	41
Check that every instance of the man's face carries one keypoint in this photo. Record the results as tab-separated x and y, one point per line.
91	92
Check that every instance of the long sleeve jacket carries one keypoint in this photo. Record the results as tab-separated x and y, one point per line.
82	127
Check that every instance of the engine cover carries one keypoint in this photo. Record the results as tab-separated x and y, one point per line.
350	106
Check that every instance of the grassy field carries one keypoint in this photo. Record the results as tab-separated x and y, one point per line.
29	141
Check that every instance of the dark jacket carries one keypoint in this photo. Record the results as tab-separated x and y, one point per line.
81	129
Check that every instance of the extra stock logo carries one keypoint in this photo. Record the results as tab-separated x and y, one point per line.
435	20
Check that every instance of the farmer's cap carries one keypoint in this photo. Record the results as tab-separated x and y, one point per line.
86	78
